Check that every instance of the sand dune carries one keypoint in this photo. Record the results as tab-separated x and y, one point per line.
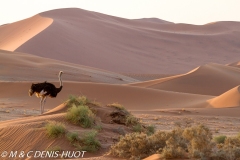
142	64
26	134
147	77
29	134
140	99
235	64
14	35
133	46
230	98
154	20
210	79
25	67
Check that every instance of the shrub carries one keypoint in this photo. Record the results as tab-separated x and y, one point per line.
220	139
131	120
90	142
171	152
175	144
151	129
81	100
132	146
80	115
229	150
55	129
199	138
169	144
116	105
172	144
98	127
119	107
72	137
188	142
137	128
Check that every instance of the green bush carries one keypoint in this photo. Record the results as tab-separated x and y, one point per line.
90	142
55	129
220	139
72	137
137	128
87	142
98	127
131	120
80	115
151	129
81	100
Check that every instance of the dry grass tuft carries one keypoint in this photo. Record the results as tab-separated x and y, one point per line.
77	100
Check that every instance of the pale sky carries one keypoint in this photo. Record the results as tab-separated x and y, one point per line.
178	11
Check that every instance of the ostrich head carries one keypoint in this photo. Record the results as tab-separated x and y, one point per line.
31	90
60	73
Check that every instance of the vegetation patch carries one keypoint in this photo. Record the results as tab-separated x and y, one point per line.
131	120
220	139
151	129
194	142
118	107
81	115
77	100
72	137
98	127
137	128
88	142
80	100
55	129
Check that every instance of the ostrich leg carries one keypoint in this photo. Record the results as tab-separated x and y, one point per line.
44	101
41	104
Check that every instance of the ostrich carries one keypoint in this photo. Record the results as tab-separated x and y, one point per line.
44	90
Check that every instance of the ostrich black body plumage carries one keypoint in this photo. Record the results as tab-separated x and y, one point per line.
44	90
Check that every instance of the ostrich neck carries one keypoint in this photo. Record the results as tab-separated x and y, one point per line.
60	79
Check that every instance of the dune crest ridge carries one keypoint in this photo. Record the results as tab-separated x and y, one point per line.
210	79
230	98
15	34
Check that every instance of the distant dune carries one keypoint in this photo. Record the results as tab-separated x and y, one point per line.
235	64
210	79
154	20
230	98
130	46
16	66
